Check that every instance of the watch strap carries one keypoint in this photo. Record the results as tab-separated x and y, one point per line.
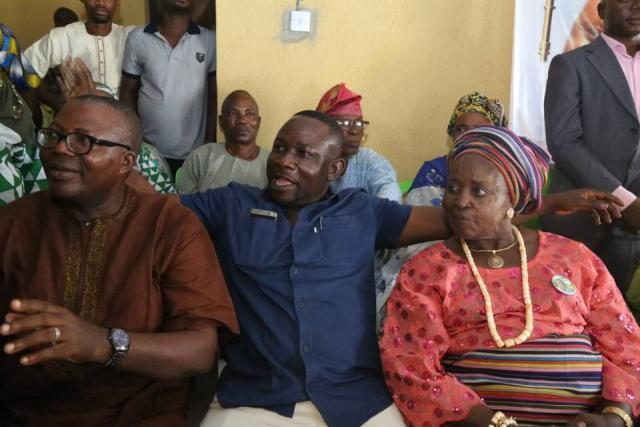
119	353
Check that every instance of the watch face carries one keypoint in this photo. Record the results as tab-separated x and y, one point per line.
119	339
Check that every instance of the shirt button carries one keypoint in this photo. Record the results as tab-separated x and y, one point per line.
294	271
300	304
305	348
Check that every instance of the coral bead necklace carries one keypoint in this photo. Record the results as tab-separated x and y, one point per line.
526	293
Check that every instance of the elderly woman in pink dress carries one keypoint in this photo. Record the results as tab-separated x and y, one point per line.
502	326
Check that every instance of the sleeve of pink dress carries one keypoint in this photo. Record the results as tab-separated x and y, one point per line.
413	342
616	336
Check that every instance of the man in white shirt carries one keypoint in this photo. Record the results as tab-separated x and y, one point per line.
97	41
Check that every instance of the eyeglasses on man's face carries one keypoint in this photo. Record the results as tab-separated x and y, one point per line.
348	124
77	143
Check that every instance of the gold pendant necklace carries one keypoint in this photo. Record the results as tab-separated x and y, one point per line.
495	261
488	305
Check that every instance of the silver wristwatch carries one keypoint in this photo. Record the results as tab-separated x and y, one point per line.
120	342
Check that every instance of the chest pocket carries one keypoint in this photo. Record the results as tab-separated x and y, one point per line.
343	239
260	243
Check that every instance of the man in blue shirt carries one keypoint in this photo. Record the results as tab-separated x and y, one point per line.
298	261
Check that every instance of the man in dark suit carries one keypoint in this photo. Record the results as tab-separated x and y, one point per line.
592	107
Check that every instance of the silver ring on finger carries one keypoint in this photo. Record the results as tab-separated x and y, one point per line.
56	335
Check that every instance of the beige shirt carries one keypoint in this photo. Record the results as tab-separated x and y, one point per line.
211	166
102	55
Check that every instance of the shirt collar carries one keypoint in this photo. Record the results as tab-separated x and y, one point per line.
152	28
312	209
329	195
617	47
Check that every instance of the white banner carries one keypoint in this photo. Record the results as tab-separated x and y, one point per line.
543	29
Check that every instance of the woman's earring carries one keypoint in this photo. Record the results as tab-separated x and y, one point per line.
510	213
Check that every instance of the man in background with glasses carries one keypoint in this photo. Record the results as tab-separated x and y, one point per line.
110	298
238	160
366	168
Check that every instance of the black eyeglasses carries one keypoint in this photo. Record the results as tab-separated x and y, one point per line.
348	124
77	143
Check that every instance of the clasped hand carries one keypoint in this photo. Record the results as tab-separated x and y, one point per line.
44	332
604	207
631	215
596	420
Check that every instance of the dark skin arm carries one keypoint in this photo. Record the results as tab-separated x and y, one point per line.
480	416
631	215
30	96
597	419
428	223
47	97
212	106
163	355
129	89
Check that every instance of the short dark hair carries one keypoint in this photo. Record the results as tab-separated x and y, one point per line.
129	121
64	15
335	132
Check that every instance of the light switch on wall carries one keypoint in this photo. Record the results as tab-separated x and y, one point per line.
300	21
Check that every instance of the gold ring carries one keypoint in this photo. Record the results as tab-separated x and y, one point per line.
56	337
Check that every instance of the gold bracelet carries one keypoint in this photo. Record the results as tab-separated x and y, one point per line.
619	412
499	419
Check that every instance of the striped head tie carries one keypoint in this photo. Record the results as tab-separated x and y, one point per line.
523	164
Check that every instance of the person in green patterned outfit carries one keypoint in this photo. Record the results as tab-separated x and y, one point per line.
154	168
20	167
21	170
11	180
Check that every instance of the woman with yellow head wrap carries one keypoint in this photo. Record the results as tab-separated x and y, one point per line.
471	111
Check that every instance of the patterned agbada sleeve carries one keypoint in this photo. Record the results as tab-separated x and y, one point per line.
616	336
151	167
27	160
413	342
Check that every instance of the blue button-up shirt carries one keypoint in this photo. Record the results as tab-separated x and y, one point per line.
304	298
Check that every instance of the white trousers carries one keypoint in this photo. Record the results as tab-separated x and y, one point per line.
304	415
